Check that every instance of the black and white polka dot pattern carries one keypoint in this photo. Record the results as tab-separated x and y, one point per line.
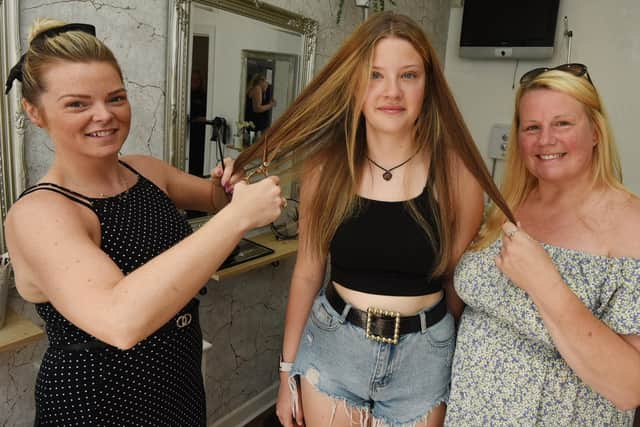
156	383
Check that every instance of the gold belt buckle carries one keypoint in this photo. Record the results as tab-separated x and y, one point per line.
378	312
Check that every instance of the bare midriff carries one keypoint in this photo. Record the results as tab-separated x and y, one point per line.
405	305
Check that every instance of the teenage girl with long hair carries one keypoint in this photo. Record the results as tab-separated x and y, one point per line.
391	194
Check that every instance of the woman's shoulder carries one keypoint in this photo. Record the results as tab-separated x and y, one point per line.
621	214
150	167
142	162
45	196
65	215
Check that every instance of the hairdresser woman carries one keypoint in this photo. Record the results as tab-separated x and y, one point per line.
101	249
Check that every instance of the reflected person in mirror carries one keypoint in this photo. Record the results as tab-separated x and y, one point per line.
551	331
257	105
100	246
391	193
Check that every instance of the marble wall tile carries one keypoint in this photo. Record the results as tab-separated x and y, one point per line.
136	32
243	318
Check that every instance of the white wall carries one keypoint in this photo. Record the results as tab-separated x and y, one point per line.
606	38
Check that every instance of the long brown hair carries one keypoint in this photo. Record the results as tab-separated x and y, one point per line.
325	126
518	182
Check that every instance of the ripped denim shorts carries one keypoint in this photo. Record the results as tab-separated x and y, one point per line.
398	384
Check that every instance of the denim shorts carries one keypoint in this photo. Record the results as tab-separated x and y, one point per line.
398	384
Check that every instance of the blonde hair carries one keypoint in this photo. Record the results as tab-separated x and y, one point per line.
72	46
325	125
518	182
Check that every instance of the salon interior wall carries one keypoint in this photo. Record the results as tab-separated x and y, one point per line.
242	317
605	37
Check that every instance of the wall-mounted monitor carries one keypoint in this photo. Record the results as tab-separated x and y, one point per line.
508	29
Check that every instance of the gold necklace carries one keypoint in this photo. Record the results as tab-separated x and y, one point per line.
123	182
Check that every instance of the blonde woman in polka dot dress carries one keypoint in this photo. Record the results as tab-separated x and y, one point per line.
101	249
550	334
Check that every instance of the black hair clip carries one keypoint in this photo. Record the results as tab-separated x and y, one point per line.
52	32
16	71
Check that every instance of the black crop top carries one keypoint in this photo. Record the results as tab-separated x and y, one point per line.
381	249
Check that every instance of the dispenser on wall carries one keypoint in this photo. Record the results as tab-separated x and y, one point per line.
498	144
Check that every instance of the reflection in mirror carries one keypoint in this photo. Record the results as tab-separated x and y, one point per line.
269	87
12	177
222	46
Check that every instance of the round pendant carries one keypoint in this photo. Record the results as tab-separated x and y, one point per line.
387	176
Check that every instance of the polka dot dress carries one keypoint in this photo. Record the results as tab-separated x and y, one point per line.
156	383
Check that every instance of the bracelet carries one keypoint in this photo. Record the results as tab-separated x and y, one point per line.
285	366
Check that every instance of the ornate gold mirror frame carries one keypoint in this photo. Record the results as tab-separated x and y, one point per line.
12	170
176	110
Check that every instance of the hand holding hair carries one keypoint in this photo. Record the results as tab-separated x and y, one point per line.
523	260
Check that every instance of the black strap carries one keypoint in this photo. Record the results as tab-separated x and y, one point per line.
128	166
385	326
69	194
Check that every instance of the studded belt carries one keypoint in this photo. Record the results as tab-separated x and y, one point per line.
382	325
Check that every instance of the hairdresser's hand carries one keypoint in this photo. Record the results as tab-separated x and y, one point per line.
227	178
223	175
284	409
258	204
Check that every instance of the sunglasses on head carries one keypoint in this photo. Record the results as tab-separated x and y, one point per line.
575	69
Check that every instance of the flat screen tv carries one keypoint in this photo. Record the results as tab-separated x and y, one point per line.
508	29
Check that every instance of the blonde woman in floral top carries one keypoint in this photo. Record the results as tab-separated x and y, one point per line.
550	333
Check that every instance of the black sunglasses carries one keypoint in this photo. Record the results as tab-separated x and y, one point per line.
575	69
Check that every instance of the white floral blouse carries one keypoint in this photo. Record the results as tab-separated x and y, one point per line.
506	369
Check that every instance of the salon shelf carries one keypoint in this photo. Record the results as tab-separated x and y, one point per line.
281	249
18	331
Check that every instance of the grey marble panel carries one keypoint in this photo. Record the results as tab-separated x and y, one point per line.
136	32
243	318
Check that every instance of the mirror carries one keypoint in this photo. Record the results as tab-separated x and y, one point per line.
216	48
12	175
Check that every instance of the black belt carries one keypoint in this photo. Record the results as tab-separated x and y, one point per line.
381	325
179	321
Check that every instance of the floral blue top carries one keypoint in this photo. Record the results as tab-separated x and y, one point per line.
506	369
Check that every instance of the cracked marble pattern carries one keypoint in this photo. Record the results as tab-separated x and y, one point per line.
242	316
18	371
136	32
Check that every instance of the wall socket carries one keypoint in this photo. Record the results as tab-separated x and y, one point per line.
498	141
